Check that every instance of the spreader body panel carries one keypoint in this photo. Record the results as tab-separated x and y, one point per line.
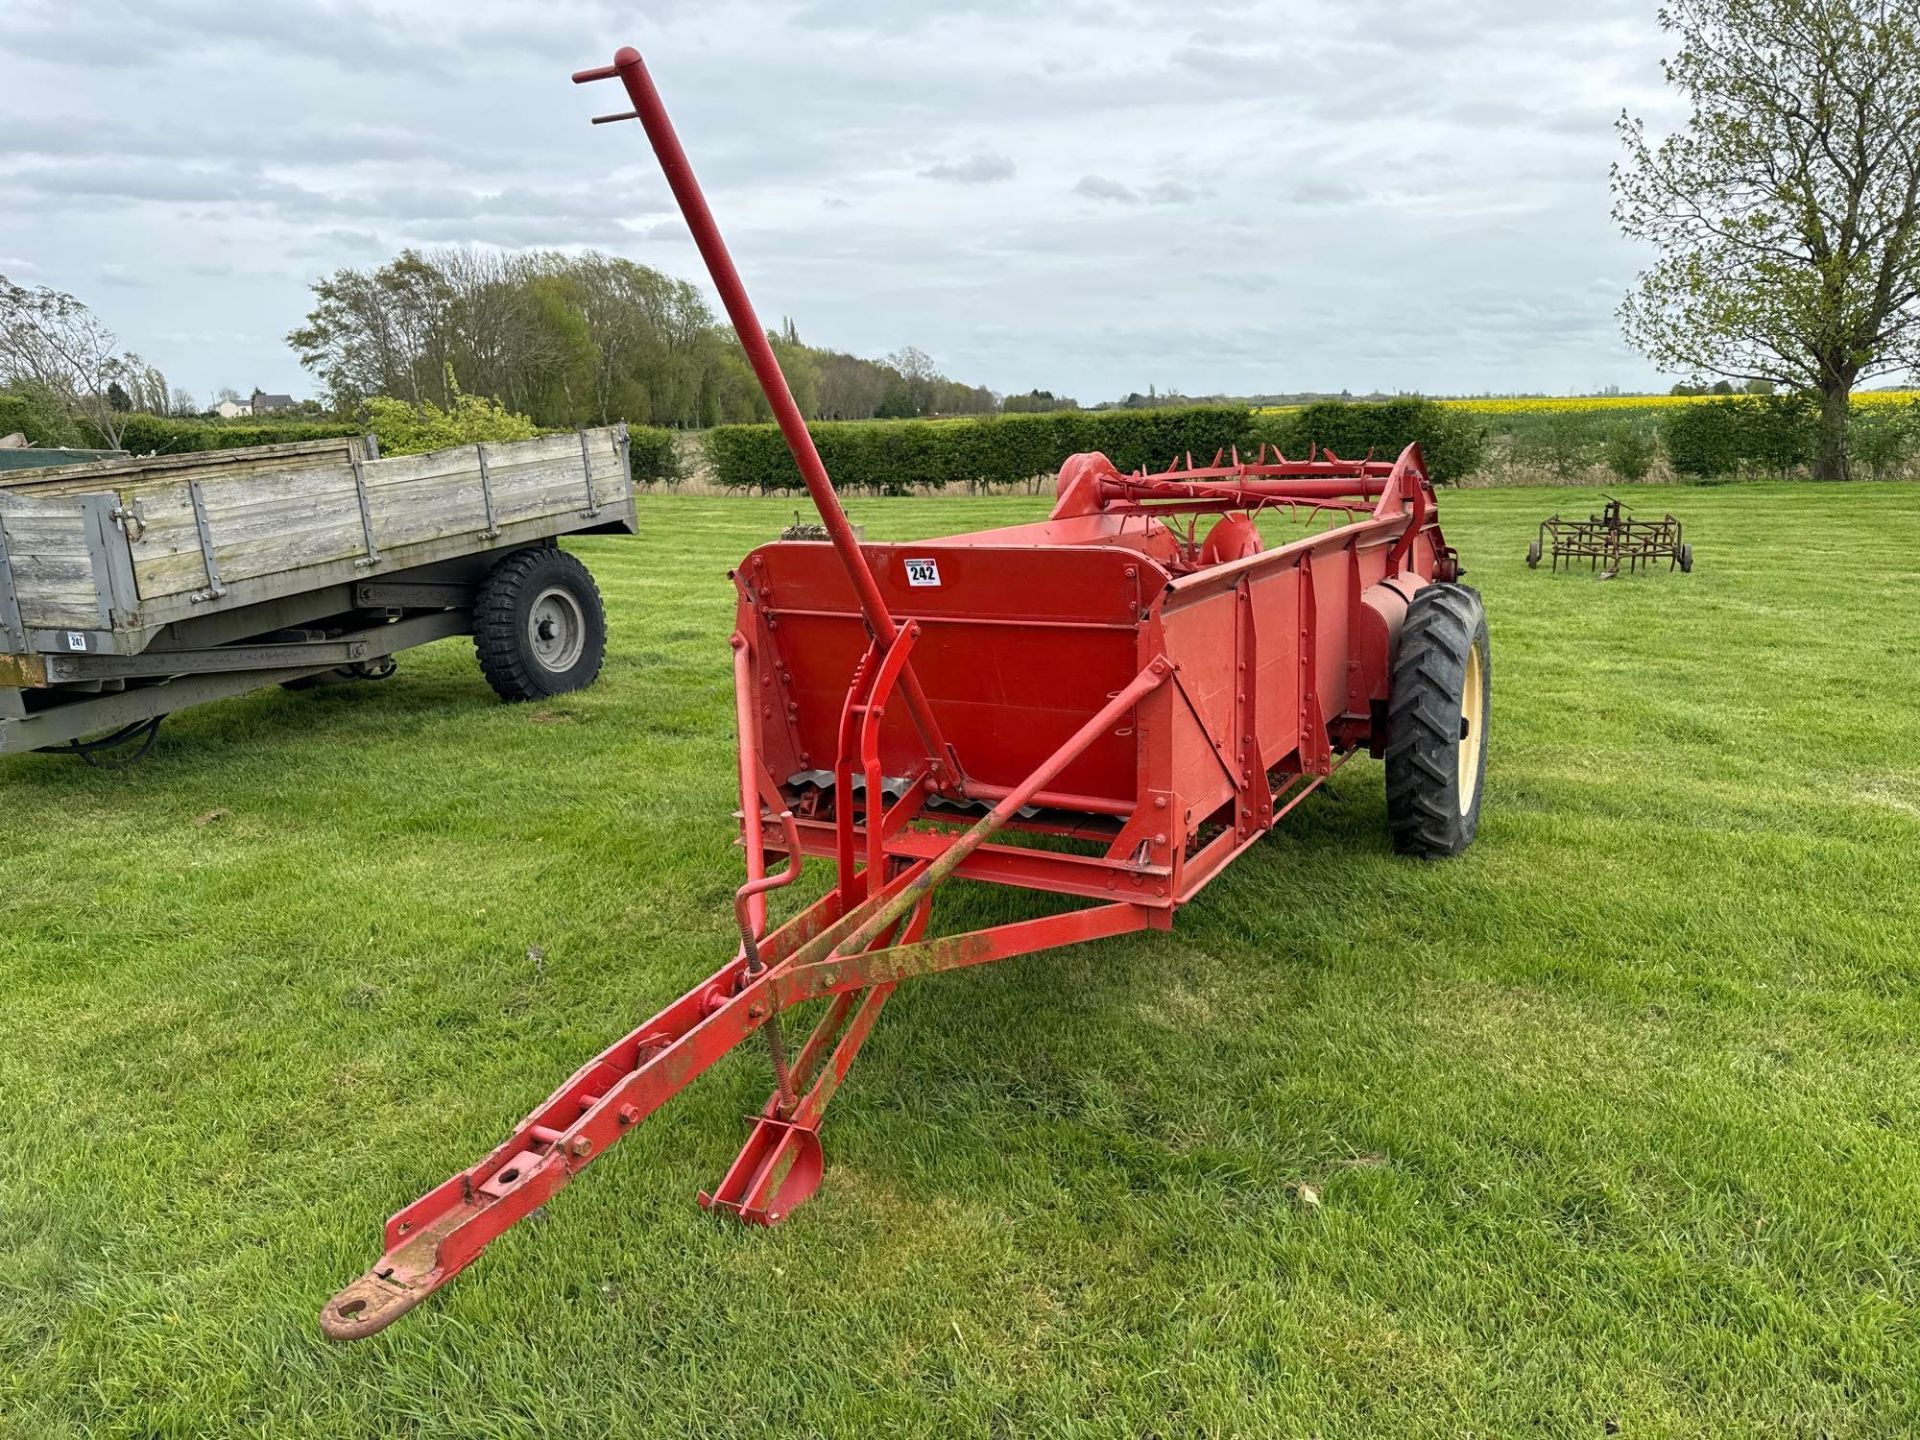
1025	632
1018	646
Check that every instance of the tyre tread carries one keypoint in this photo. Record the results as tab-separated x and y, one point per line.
1443	624
497	640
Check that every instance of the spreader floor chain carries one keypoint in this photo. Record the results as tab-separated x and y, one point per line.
1143	701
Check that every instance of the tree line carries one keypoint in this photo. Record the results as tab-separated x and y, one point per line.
575	339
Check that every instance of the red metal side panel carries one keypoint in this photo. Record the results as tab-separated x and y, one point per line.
1276	620
1265	614
1209	637
1200	641
1018	647
1333	580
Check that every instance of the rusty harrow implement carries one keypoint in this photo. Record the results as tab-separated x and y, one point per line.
1611	539
910	714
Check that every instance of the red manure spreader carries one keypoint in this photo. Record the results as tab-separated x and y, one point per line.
1143	699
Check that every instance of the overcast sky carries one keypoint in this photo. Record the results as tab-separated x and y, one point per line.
1088	198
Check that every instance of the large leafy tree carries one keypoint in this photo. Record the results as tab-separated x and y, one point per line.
1787	209
55	350
380	332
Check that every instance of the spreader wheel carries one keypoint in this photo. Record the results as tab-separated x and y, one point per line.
1437	716
539	626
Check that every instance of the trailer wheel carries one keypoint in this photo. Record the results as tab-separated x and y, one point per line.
1437	714
538	625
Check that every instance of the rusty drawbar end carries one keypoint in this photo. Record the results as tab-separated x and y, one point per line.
367	1306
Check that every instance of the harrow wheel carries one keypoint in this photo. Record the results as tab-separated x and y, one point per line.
1533	554
1684	557
1437	715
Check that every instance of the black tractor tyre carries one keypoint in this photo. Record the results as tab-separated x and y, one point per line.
1437	713
538	625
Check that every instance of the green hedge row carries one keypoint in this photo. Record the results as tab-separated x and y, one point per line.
164	435
43	424
1452	441
654	455
894	457
1775	433
1780	434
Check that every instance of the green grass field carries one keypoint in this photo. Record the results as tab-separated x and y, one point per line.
1615	1122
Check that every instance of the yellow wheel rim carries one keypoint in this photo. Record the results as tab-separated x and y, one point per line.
1473	713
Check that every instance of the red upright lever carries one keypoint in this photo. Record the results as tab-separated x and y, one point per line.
652	114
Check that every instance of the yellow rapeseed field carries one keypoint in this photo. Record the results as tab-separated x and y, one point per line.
1542	403
1564	404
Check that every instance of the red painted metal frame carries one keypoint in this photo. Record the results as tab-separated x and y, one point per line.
1157	700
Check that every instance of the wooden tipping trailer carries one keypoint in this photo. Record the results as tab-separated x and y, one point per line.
133	587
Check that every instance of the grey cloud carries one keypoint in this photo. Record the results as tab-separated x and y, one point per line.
360	240
127	182
440	212
974	170
355	36
524	233
1325	192
64	137
890	17
1099	187
1164	192
1250	284
1210	58
1172	192
1580	122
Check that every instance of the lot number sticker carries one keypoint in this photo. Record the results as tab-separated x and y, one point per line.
76	640
923	572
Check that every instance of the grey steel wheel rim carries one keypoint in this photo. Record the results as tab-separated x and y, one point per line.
556	629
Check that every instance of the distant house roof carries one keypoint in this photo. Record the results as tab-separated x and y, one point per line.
263	401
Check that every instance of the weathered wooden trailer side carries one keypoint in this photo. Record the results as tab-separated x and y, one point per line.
131	588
